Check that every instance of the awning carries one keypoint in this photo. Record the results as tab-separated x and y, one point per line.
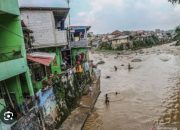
44	61
42	58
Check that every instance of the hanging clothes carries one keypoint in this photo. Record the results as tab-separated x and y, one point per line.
86	66
79	69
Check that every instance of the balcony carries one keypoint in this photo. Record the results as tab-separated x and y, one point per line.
80	43
51	38
12	67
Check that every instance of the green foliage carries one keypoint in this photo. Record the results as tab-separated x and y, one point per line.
147	42
120	47
68	92
174	1
105	46
137	43
177	37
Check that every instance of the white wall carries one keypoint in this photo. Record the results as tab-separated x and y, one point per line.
42	24
116	43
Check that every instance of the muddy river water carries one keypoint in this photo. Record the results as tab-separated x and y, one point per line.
148	95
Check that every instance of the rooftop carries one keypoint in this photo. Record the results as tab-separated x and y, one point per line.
58	11
80	27
121	37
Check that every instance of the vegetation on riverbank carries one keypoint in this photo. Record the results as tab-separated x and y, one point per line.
136	44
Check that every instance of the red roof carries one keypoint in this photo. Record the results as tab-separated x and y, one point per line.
117	32
44	61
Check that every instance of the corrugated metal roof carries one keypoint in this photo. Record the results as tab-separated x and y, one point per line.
80	27
41	57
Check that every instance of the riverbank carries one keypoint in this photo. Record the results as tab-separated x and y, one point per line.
130	51
79	116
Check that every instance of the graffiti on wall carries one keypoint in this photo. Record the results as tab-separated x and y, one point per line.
47	100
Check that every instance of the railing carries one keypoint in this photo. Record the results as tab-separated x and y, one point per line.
80	43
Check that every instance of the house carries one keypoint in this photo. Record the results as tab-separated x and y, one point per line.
120	40
116	33
15	80
79	41
47	24
47	51
49	37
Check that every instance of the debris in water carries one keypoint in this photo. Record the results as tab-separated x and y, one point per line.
117	93
100	63
118	53
116	57
115	68
136	60
165	58
108	77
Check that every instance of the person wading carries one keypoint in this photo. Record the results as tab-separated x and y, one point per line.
106	99
129	67
115	68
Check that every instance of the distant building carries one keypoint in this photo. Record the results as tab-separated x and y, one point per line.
157	30
79	42
120	40
116	33
79	36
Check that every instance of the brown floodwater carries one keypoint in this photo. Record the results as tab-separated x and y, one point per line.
148	95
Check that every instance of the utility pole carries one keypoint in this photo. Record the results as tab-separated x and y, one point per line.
68	1
69	24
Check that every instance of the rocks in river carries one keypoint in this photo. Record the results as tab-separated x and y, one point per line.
136	60
165	58
100	62
108	77
141	52
116	57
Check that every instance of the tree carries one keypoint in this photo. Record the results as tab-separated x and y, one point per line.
177	37
174	1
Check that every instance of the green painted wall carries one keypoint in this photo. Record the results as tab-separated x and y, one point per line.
11	38
12	50
14	86
9	6
57	66
12	68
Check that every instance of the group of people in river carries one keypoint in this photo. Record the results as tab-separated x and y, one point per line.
107	98
106	95
129	67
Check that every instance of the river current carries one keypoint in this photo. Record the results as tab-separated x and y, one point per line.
146	96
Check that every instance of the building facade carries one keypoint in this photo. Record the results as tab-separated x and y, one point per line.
15	83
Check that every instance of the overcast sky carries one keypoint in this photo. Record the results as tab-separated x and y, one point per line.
108	15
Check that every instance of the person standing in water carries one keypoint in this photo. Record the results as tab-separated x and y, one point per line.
115	68
129	67
106	99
